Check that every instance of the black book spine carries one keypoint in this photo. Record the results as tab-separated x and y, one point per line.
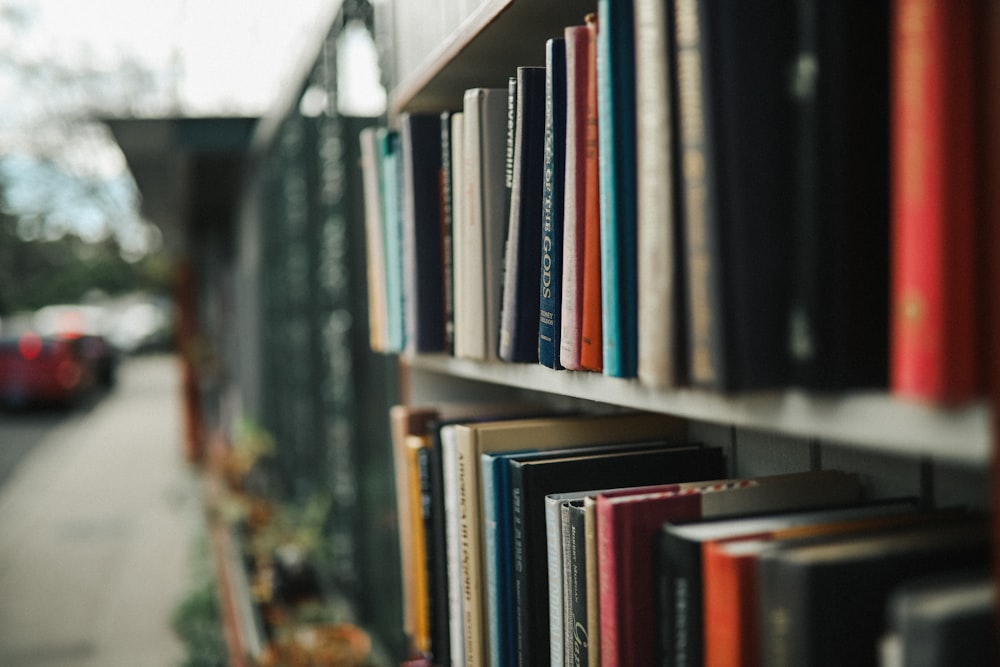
575	586
448	277
437	550
679	597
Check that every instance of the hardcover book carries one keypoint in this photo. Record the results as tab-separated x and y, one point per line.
423	240
935	280
735	136
579	63
627	526
479	235
813	596
392	220
374	241
616	122
532	477
591	323
522	256
553	179
473	440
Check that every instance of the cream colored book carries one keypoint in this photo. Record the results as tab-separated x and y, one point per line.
473	440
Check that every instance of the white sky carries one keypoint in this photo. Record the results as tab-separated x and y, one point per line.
232	54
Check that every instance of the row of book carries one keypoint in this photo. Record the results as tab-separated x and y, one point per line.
552	539
659	200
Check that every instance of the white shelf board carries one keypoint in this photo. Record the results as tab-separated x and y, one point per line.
865	419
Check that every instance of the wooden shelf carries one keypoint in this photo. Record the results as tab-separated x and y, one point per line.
486	49
865	419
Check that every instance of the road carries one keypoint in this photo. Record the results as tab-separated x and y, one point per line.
99	517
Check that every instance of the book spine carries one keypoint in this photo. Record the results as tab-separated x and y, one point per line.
420	139
934	355
698	207
616	122
470	536
593	601
591	334
656	221
522	257
523	643
578	62
374	243
577	640
447	235
491	504
421	634
554	532
554	176
730	628
679	582
392	220
449	472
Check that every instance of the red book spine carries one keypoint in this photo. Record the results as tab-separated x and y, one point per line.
626	529
592	335
729	591
933	332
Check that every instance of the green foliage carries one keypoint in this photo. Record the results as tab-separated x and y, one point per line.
41	272
197	620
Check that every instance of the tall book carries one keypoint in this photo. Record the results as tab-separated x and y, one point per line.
473	440
616	121
447	221
553	191
839	303
627	526
824	604
660	330
579	62
390	178
459	208
416	525
736	142
591	324
532	478
522	255
423	240
934	356
680	573
374	242
479	235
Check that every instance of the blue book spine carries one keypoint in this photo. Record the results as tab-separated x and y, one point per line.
389	171
490	505
616	140
554	174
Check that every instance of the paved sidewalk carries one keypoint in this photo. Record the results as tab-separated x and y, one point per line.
97	533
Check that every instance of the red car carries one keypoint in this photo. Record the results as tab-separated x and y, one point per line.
38	370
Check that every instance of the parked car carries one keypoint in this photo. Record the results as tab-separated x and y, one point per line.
42	370
87	326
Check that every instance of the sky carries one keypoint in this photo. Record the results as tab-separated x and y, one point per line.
209	57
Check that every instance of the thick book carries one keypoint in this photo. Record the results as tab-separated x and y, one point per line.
591	322
532	477
478	237
579	63
473	440
523	249
737	174
660	330
423	241
935	280
731	597
815	597
679	573
838	316
553	178
941	620
374	241
616	121
390	178
627	526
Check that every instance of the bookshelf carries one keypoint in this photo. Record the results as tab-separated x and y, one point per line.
902	447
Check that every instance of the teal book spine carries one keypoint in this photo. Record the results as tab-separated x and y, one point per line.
389	177
616	141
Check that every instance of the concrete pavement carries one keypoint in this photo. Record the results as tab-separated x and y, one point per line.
97	533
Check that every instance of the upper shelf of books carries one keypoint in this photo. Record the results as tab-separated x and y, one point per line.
869	419
463	44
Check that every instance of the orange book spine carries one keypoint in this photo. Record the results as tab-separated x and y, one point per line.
592	336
